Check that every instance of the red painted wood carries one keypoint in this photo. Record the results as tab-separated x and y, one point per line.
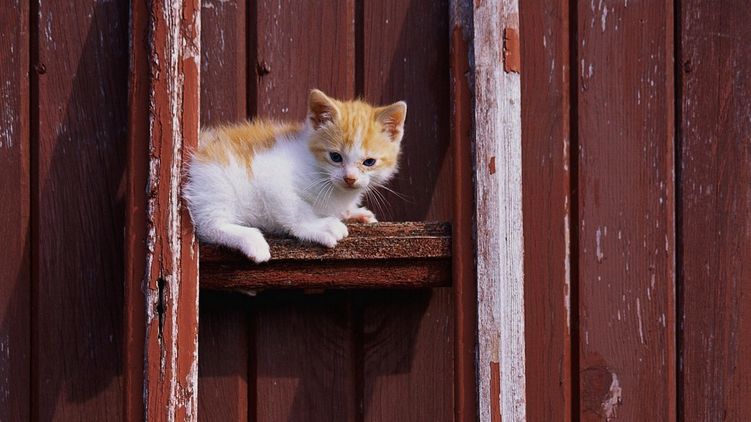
305	357
462	245
714	219
80	64
223	341
15	229
408	347
547	200
406	57
224	325
163	130
625	118
298	47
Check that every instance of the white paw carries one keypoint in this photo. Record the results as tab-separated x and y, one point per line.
360	215
256	248
325	231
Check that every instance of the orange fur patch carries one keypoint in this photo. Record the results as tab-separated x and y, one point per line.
242	140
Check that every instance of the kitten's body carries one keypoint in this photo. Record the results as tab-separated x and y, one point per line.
279	178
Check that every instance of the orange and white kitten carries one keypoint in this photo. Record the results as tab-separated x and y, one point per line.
295	179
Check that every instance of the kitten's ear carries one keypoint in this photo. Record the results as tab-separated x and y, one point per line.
392	118
321	109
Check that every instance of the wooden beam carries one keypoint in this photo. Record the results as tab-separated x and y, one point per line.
406	255
498	215
162	257
463	256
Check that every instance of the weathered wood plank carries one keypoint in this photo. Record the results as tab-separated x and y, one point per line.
500	254
462	245
381	255
300	46
714	206
224	330
408	348
378	241
626	263
169	282
547	200
305	359
350	274
224	340
15	229
79	60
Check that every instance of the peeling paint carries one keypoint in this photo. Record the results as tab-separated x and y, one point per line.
613	400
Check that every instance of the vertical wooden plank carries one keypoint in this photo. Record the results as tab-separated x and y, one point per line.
408	339
546	132
304	346
407	356
714	220
462	245
15	265
224	330
626	204
305	357
224	62
224	355
170	280
300	46
406	57
80	66
498	174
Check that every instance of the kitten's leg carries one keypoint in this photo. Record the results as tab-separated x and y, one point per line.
359	215
300	220
249	240
325	231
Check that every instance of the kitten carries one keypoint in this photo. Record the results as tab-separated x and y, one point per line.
296	179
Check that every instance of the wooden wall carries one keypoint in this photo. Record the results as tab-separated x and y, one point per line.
63	108
636	209
637	191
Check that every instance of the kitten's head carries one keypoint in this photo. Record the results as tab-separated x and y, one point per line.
355	144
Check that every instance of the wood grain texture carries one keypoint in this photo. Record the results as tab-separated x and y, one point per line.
498	192
224	340
714	219
405	56
546	176
15	229
407	354
382	255
224	62
462	245
80	59
304	359
408	350
224	334
170	281
626	204
300	45
378	241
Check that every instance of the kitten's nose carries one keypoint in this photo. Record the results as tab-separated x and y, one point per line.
350	181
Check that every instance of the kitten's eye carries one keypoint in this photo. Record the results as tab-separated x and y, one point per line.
369	162
335	157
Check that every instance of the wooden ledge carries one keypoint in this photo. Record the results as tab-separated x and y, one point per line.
380	255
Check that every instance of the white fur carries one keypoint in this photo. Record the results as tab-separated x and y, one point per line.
289	192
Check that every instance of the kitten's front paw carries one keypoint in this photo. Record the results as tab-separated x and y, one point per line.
360	215
256	248
325	231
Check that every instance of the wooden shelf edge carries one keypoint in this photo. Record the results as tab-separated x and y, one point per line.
380	255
